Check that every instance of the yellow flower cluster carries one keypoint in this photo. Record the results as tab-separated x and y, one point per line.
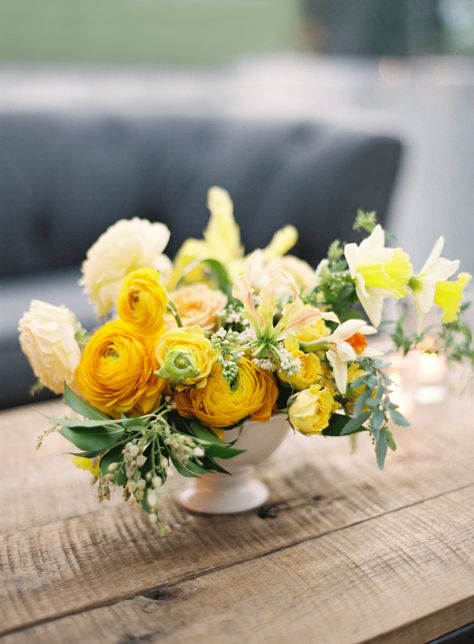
218	404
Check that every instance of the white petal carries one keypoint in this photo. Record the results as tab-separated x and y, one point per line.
330	316
351	255
372	304
348	328
339	369
372	353
434	255
345	352
442	269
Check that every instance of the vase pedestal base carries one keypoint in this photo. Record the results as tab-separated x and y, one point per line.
224	494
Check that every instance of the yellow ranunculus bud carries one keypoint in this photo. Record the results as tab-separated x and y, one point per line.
311	410
142	301
92	465
186	356
116	372
449	295
220	405
310	369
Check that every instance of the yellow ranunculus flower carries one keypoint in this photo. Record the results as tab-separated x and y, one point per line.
310	369
186	356
142	301
311	410
92	465
448	296
116	372
219	405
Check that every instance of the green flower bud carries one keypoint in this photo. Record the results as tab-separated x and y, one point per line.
180	366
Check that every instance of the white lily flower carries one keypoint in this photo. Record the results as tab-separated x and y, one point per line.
346	344
435	269
378	272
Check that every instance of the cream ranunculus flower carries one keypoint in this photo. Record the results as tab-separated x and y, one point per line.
122	248
48	339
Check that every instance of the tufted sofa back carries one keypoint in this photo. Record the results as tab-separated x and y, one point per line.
64	179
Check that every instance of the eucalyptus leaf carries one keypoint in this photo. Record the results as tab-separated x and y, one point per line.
380	447
398	418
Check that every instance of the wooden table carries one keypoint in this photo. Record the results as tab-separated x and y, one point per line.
343	553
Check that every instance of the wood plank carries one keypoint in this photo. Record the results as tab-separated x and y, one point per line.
404	577
56	567
311	465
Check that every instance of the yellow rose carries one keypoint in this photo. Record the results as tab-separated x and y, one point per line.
122	248
219	405
142	301
91	465
48	339
116	372
310	369
199	305
311	410
187	357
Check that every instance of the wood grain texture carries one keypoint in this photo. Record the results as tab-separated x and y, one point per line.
61	553
372	580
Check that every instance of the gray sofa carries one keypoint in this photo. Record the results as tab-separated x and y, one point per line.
65	178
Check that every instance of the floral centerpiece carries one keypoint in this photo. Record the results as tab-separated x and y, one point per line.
189	351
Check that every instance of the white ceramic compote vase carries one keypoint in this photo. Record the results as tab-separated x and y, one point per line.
223	494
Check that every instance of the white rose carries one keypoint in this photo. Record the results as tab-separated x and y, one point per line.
48	339
122	248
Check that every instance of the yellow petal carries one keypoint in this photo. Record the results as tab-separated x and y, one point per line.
449	295
283	240
222	234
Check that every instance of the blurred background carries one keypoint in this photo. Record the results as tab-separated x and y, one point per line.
404	67
398	68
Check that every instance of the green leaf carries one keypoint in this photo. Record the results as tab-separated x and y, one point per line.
222	451
220	274
204	433
355	424
115	455
218	271
398	418
81	407
212	466
182	469
390	440
92	440
344	425
378	419
380	447
77	423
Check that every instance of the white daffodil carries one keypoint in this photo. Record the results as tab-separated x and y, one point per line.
346	344
378	272
424	285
